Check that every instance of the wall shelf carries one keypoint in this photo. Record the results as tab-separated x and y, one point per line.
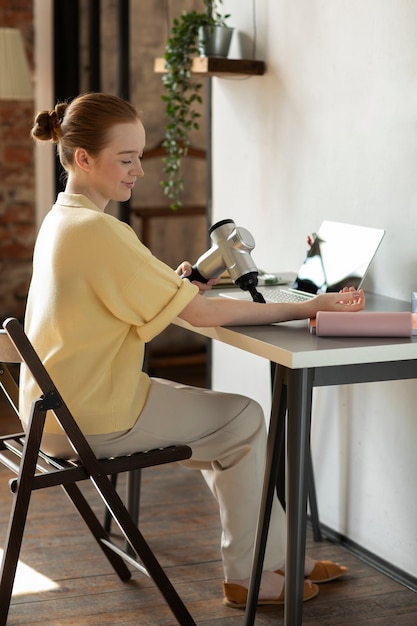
218	66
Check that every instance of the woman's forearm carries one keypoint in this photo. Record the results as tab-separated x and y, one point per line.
217	311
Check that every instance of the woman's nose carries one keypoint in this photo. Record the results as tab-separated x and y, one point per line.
139	170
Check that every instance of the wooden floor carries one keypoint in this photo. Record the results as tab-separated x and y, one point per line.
64	580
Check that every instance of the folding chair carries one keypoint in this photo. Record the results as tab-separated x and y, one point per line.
10	387
21	453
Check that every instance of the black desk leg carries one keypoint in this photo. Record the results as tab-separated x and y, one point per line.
300	385
274	451
281	460
312	497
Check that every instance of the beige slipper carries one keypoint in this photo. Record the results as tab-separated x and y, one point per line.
323	572
236	596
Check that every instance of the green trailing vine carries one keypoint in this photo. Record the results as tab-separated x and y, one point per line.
183	93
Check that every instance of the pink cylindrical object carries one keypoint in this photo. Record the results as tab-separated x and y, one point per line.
364	324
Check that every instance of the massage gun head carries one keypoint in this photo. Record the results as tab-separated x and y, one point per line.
230	251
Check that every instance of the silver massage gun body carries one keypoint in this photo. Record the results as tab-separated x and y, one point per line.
230	251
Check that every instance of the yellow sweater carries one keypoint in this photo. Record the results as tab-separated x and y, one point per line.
97	295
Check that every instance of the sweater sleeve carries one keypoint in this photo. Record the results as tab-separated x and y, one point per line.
138	288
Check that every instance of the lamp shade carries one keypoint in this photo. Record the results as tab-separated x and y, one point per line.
15	83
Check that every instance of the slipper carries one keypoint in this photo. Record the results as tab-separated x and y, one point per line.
323	572
236	596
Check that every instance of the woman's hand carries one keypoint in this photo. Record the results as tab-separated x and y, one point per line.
348	299
184	270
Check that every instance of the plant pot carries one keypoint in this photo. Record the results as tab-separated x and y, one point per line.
214	41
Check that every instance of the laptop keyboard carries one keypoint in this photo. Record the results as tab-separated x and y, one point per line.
284	295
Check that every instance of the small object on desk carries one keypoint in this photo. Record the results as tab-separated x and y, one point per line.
263	279
268	279
414	301
364	324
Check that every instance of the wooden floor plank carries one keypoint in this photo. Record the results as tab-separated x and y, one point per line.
180	520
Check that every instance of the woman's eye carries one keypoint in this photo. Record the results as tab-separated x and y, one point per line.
126	162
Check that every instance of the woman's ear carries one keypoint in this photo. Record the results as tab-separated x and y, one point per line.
82	159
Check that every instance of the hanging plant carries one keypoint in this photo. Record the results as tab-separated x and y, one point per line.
183	93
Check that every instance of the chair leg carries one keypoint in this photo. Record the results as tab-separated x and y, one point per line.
107	514
142	549
134	480
12	549
97	530
18	514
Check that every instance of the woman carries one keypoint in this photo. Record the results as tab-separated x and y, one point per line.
97	295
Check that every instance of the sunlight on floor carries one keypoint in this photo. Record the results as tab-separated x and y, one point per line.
29	580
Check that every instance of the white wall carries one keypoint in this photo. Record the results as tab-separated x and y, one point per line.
330	132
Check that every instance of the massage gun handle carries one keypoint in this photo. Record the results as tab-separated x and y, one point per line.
195	275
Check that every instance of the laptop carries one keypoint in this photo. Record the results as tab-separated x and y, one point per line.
339	256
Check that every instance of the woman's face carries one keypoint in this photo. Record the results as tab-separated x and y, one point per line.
113	172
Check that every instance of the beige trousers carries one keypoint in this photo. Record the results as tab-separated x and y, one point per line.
228	437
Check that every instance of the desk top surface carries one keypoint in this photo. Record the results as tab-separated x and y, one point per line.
292	345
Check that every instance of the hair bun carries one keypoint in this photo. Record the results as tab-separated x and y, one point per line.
56	118
47	125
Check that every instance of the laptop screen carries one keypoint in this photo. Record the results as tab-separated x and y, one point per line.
339	256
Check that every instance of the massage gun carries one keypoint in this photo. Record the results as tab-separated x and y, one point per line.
230	251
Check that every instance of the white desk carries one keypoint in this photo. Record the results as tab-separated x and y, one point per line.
305	361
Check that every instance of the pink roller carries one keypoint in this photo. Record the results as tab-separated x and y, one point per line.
364	324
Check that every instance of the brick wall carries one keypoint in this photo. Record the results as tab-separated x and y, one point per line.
17	178
171	241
